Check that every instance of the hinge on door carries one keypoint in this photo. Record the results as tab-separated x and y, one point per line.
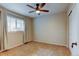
70	13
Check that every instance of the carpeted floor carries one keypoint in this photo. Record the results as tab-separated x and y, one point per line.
37	49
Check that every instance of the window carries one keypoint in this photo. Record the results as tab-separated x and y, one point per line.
14	24
20	25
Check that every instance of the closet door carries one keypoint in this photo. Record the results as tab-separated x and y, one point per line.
15	31
74	30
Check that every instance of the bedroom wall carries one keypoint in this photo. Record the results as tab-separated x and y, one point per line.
51	29
29	30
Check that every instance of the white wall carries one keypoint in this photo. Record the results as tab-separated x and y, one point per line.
29	30
51	29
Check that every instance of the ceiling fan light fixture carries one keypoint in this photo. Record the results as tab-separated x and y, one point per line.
37	11
39	8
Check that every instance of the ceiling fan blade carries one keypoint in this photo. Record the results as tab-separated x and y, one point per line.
42	5
31	11
37	6
30	6
44	10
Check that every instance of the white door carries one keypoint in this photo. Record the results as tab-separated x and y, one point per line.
74	31
15	31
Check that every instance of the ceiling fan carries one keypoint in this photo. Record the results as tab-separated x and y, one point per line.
38	8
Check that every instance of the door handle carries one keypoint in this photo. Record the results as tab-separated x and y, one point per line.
74	44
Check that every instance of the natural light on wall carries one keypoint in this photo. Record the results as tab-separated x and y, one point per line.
14	24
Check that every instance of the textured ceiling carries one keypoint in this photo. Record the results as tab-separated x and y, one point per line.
23	9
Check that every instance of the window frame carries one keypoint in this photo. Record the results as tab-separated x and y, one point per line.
16	20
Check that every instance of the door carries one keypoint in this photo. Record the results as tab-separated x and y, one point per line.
74	31
15	31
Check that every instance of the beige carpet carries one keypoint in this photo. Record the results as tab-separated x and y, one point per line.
37	49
